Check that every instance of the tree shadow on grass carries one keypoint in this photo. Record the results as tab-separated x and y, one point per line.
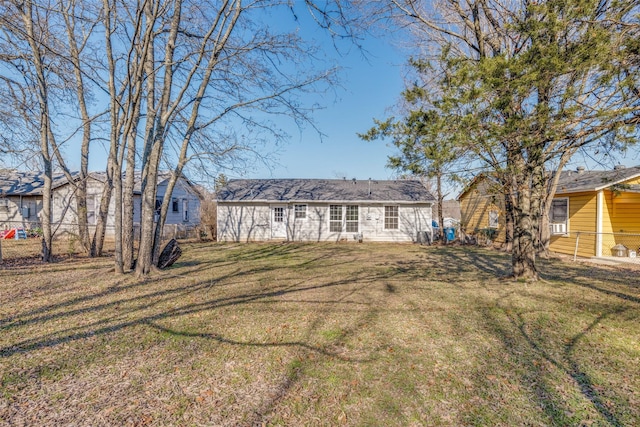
618	282
528	349
111	320
128	283
455	261
148	301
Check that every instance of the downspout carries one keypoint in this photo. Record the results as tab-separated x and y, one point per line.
599	207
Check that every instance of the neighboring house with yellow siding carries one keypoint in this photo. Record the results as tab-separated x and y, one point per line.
482	211
592	211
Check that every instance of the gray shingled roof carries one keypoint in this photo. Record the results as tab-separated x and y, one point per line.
17	183
572	181
323	190
163	176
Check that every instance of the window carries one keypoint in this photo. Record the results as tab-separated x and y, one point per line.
559	216
158	207
352	219
174	205
278	214
493	219
335	218
300	211
91	210
391	217
343	218
185	210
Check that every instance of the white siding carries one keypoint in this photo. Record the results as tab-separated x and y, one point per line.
183	194
247	222
20	212
252	222
64	210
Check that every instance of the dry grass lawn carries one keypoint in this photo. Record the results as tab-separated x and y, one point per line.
320	334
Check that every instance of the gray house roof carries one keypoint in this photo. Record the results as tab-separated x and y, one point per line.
323	190
163	178
17	183
574	181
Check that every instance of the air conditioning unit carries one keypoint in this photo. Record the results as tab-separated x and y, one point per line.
558	228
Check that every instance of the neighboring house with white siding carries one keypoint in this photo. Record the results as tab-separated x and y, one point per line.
323	210
21	201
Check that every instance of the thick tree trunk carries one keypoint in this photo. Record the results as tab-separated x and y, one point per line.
47	237
127	210
538	190
523	255
147	224
508	222
81	208
129	183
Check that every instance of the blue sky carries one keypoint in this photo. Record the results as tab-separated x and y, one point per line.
370	85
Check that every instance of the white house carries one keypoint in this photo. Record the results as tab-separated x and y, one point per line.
323	210
21	201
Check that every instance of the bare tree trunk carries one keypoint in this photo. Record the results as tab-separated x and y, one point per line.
68	12
150	178
147	225
97	243
128	208
117	186
26	9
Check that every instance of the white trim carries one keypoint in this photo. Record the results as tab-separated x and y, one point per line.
560	228
599	207
279	228
560	191
333	202
609	184
396	217
497	219
343	221
295	211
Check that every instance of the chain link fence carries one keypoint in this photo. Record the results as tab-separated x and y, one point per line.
20	240
618	246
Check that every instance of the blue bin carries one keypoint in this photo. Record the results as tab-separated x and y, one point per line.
450	234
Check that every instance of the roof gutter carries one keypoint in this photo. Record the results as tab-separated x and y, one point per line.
378	202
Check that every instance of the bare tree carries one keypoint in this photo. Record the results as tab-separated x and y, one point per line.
229	74
79	27
24	45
